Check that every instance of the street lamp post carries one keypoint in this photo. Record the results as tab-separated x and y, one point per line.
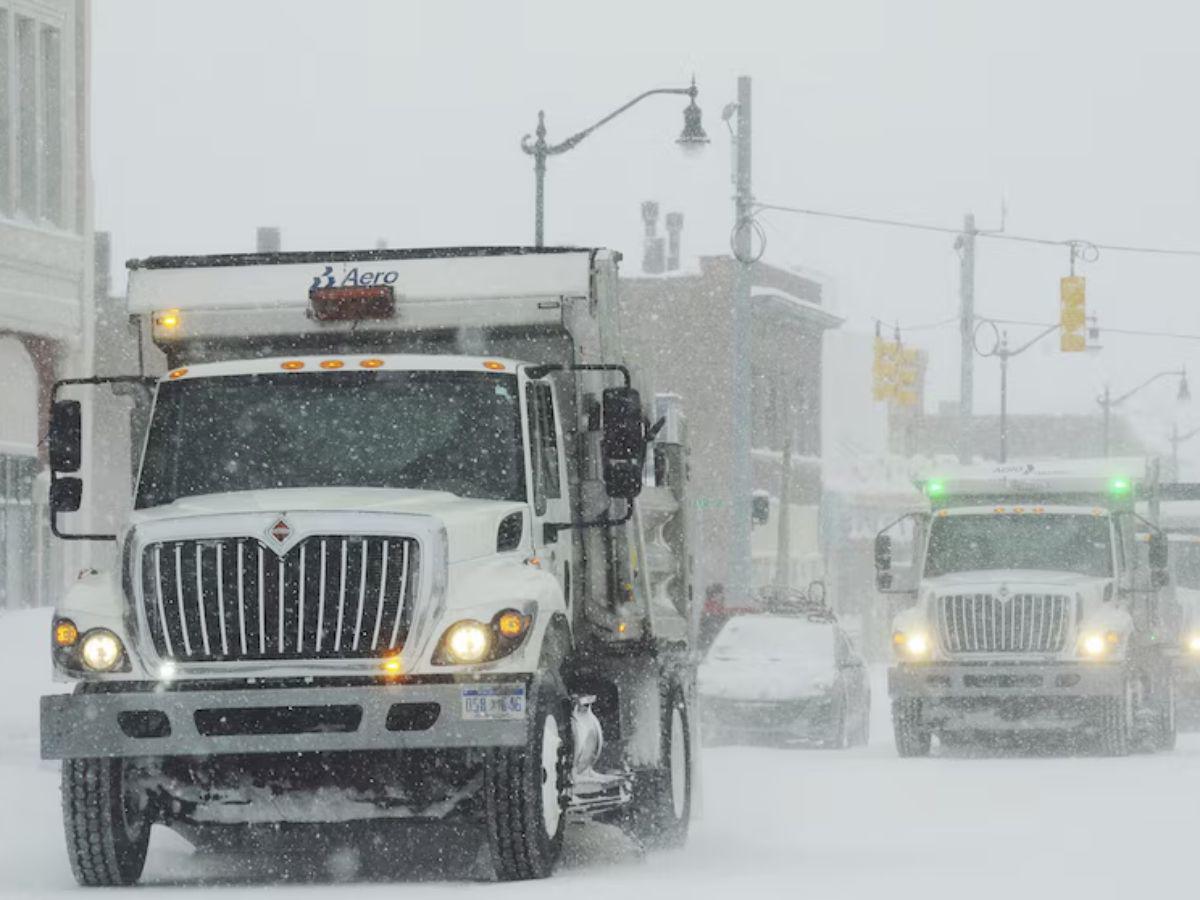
1001	351
692	136
1107	401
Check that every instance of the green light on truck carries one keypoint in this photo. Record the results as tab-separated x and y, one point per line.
1120	486
935	487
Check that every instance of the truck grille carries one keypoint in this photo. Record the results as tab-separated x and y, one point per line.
329	597
1021	623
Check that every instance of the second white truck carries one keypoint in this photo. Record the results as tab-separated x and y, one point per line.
1034	609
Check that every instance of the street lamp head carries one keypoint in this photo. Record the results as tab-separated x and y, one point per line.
1185	395
692	139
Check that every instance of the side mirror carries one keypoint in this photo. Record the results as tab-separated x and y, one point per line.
1159	552
66	436
66	494
883	561
623	444
760	509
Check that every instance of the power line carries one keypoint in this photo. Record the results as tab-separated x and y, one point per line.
992	235
1135	332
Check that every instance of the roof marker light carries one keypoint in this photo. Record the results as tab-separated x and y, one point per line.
178	373
168	318
332	364
372	363
291	365
493	365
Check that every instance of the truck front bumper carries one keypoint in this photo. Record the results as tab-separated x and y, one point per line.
1007	696
202	722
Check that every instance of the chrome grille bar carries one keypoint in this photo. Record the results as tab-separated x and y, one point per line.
382	593
158	594
362	593
187	644
200	600
221	599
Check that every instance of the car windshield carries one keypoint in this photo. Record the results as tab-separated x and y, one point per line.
773	638
438	431
1059	543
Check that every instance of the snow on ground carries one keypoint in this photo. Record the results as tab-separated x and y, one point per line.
776	823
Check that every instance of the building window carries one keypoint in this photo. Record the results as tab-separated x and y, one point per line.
5	119
26	115
52	130
32	129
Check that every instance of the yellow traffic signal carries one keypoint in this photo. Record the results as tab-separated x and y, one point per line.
1072	314
883	371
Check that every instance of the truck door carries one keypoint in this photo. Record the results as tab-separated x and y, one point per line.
548	473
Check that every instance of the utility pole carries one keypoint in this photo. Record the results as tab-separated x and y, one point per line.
740	584
966	293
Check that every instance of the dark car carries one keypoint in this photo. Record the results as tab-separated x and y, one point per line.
784	679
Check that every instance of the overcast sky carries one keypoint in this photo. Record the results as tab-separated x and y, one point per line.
352	121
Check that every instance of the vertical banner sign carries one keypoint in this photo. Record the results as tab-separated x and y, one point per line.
1072	314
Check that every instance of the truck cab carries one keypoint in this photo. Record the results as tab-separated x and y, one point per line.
404	542
1033	608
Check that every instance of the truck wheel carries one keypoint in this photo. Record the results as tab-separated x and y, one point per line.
1165	733
107	829
911	738
1116	727
526	790
660	811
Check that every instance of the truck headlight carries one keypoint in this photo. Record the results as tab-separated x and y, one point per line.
469	641
101	650
912	645
1096	644
1193	643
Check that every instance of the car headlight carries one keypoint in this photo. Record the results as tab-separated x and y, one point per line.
1096	644
101	650
911	645
468	641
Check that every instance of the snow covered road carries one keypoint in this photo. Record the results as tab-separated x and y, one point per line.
775	823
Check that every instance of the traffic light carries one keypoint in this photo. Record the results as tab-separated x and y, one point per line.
883	371
908	376
1072	314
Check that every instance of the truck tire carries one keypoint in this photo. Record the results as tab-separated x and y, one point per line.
660	811
107	832
526	790
1116	728
1166	732
911	739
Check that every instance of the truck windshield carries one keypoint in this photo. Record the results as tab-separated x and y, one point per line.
439	431
1059	543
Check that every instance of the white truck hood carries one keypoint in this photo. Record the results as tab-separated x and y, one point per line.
470	523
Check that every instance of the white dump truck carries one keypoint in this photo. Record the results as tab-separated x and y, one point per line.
1178	513
1034	608
403	543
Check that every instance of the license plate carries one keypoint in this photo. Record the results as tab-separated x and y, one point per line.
504	702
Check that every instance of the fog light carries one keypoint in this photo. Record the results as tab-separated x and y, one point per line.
912	646
101	650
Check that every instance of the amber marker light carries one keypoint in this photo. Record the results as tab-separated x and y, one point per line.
65	633
178	373
168	319
393	666
332	364
493	365
291	365
373	363
511	624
